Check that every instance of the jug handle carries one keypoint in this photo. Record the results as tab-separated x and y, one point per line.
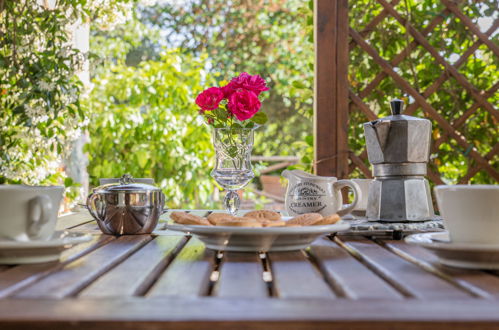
357	195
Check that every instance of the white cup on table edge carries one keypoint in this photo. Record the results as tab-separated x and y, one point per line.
470	212
29	212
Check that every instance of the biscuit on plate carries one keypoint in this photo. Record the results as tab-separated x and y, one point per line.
239	222
329	220
264	214
214	218
188	219
307	219
272	223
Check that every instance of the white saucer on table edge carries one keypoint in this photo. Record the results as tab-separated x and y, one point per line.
36	251
260	239
461	255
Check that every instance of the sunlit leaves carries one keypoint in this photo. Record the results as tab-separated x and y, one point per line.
144	122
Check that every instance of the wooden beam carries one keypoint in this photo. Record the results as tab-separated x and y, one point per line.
331	87
342	88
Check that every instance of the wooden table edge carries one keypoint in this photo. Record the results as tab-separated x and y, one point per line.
207	309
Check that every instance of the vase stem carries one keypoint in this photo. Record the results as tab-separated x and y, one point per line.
232	202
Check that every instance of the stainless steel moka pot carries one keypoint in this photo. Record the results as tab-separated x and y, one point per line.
398	147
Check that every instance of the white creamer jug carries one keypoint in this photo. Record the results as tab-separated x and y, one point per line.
308	193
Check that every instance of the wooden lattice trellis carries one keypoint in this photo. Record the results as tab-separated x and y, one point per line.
335	97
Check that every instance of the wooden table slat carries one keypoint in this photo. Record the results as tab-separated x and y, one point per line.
77	275
73	220
350	277
135	275
4	267
242	313
241	275
189	273
294	276
19	277
169	280
479	283
90	227
405	275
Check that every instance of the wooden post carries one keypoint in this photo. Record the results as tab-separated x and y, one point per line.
331	88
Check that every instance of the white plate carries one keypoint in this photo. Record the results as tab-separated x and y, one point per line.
263	239
463	255
14	252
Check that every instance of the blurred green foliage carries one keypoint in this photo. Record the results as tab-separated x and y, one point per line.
40	112
450	38
148	62
142	112
143	122
273	38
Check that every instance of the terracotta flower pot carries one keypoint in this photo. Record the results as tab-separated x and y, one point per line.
272	185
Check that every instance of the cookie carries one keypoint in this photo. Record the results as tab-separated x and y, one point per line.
307	219
272	223
329	220
214	218
239	222
264	214
188	219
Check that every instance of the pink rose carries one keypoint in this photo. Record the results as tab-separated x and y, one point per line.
255	83
243	104
209	99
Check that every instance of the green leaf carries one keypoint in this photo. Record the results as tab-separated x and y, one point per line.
249	124
220	114
68	182
259	118
309	139
141	158
299	84
232	151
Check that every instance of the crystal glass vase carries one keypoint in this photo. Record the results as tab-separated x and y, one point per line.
233	162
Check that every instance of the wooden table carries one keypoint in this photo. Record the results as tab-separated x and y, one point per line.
173	282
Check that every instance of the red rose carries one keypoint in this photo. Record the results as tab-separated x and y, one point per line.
255	83
209	99
243	104
227	90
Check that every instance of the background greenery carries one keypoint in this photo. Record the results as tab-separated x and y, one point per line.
143	122
451	38
40	109
149	59
226	40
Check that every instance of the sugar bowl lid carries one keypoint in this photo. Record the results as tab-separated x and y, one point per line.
126	184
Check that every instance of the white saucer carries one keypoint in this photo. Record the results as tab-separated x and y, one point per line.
14	252
264	239
462	255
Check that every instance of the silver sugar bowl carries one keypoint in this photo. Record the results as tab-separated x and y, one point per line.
126	207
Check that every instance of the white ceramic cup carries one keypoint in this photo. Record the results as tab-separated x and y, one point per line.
29	212
470	212
361	207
